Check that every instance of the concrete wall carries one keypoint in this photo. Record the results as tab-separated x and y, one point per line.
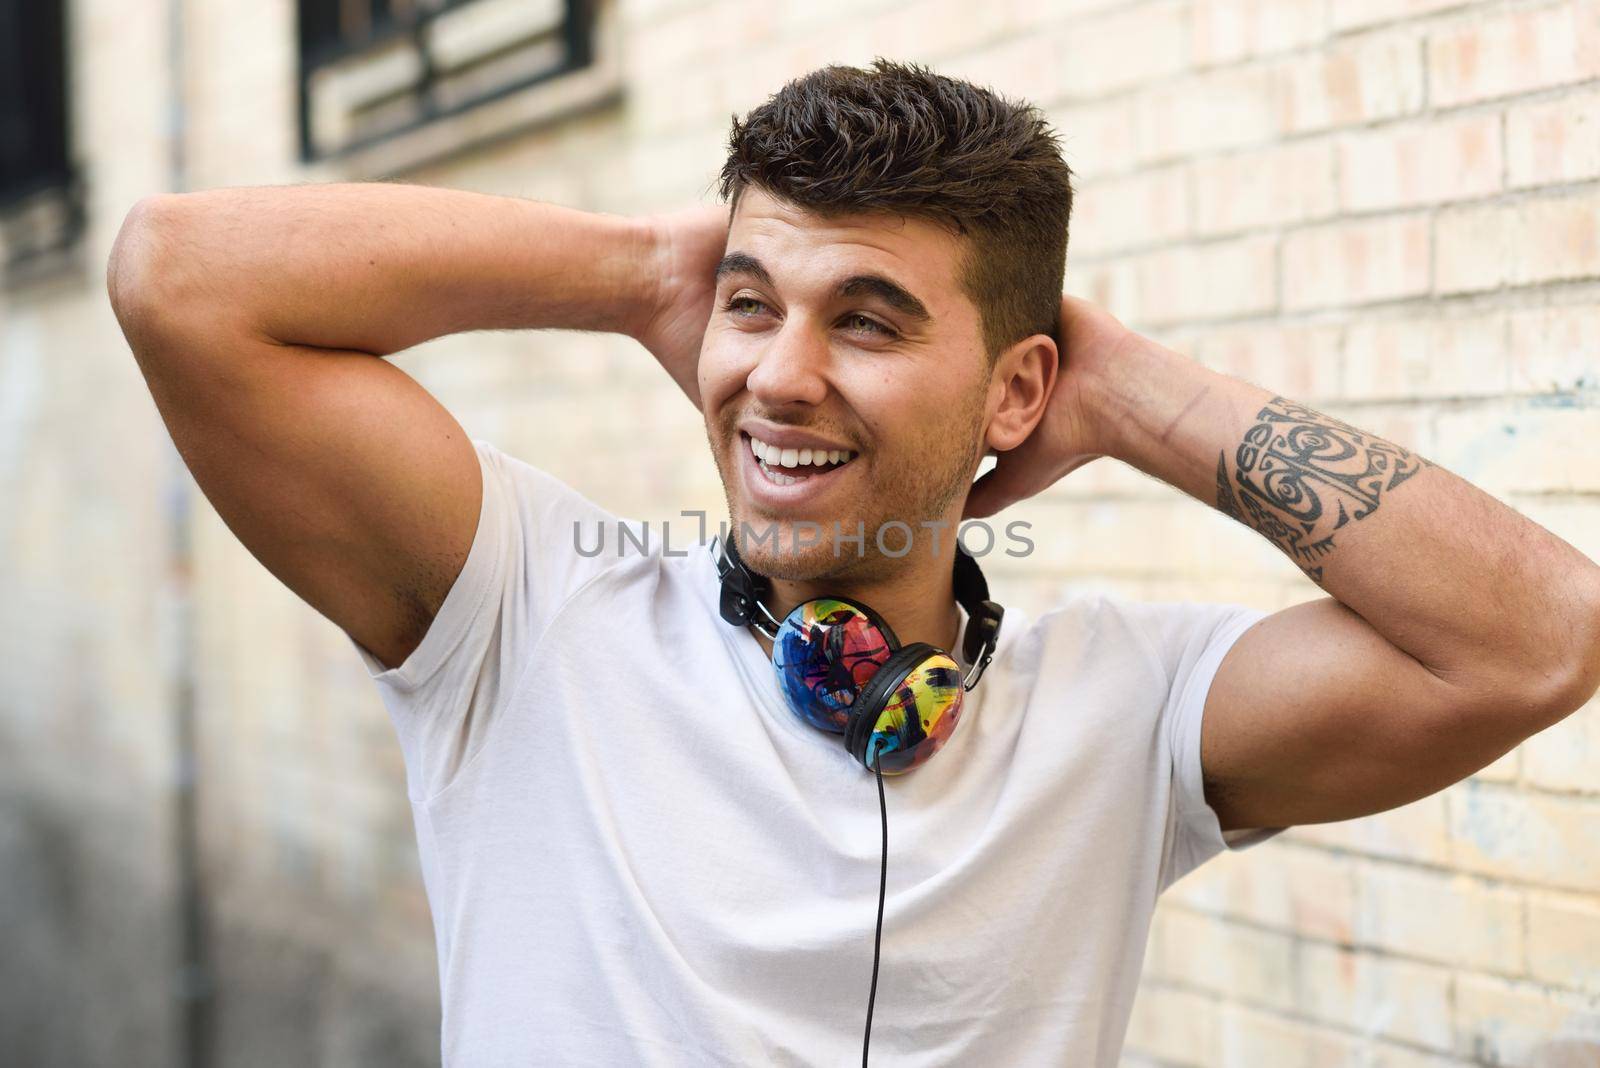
1384	208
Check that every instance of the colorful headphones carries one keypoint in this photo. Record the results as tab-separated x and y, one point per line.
842	670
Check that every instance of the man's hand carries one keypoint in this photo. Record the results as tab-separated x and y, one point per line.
689	244
1071	432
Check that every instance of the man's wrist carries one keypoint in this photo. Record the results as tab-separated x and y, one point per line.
639	303
1128	388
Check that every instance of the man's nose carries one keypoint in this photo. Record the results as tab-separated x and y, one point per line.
792	369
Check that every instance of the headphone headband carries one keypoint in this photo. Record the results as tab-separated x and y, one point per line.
745	593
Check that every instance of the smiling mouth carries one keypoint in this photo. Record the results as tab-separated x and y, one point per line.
786	467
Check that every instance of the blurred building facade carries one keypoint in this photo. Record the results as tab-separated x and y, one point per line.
1384	208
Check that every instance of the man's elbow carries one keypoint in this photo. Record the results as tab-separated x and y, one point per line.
1578	683
140	277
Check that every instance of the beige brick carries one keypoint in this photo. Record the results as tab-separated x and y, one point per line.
1564	940
1351	14
925	30
1269	594
1268	187
1225	31
1252	1037
1385	1055
641	14
1307	891
1123	538
1297	360
1423	163
1236	961
1174	1025
1519	1023
1554	140
1380	996
1214	281
1098	139
1419	831
1331	1047
1429	357
1092	542
696	99
1566	756
1130	212
1544	240
1362	81
1106	479
678	41
1444	918
1027	15
1519	447
1215	110
1028	68
1109	53
1476	247
1539	839
1351	263
1518	52
1555	348
744	80
1114	285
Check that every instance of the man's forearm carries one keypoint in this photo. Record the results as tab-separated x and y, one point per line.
1482	596
379	267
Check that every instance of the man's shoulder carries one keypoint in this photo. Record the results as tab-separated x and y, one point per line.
1100	631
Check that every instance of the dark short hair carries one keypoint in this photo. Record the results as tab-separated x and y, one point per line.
899	138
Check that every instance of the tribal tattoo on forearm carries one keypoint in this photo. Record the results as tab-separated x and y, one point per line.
1299	475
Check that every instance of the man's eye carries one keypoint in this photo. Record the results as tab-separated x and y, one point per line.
732	303
871	324
858	321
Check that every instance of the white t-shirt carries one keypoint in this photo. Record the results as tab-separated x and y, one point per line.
635	854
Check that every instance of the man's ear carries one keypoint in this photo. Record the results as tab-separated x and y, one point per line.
1019	390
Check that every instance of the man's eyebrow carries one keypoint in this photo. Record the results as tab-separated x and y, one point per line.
876	285
890	292
743	263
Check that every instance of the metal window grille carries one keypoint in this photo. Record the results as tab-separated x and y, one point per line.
33	98
372	69
40	200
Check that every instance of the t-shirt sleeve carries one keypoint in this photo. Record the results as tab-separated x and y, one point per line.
524	563
1191	639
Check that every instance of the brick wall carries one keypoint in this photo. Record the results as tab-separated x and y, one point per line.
1384	208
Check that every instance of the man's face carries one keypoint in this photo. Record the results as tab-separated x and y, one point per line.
844	333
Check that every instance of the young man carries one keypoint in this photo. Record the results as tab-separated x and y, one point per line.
636	852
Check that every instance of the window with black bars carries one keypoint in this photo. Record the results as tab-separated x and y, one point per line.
40	207
373	69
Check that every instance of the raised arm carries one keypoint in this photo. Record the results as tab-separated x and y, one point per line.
257	317
1455	627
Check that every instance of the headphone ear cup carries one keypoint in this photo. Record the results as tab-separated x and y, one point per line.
911	705
825	651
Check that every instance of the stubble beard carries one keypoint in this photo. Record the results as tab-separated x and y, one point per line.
909	492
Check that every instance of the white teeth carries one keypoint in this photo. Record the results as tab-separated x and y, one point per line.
776	457
778	476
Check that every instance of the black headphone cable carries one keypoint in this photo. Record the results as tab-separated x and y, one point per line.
883	882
